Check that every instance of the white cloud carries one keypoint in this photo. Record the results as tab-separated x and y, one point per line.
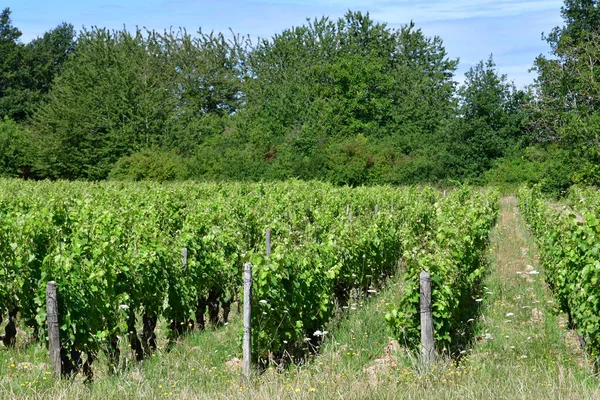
439	10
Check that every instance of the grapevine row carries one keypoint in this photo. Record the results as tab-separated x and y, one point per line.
454	255
569	246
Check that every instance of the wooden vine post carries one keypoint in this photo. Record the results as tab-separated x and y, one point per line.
247	344
53	330
268	241
184	256
427	343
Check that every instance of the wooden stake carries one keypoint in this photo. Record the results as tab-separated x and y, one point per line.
268	241
427	343
247	343
53	330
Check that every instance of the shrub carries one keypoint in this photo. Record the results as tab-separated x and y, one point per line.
150	164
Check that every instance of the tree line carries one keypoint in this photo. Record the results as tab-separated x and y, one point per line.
349	101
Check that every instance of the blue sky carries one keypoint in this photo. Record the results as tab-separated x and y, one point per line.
471	29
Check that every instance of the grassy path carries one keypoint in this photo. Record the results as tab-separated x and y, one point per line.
524	349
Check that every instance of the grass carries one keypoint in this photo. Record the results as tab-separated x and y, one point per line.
522	350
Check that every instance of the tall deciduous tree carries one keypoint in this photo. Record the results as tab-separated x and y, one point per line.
123	92
328	81
10	61
42	61
14	158
489	123
567	110
110	100
28	70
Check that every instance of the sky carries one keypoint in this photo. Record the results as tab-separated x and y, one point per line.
511	30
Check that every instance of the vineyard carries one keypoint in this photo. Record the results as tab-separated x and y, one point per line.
569	241
144	269
115	253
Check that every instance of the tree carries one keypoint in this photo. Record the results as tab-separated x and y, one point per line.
206	79
489	121
329	81
43	60
14	157
123	92
28	70
110	100
567	110
10	61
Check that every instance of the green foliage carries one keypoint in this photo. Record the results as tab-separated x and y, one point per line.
333	83
567	110
489	123
569	246
28	70
110	101
550	167
349	101
152	165
123	92
114	251
351	162
458	227
14	142
43	59
9	62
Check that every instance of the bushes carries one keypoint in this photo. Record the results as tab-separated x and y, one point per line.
552	169
148	164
